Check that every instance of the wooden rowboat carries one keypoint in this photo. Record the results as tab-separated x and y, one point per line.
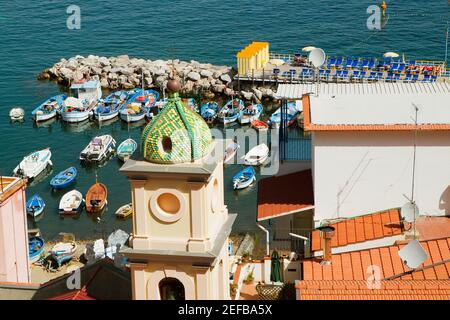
124	211
96	198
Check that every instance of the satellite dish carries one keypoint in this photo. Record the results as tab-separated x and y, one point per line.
413	255
317	57
409	212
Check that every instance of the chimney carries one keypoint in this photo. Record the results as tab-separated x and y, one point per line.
326	233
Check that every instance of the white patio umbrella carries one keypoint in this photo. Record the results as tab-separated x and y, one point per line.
391	55
308	49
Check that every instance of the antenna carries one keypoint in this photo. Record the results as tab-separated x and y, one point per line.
317	58
413	255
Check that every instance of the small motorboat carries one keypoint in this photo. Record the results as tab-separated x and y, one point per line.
35	206
230	151
126	149
191	103
63	252
96	198
209	111
289	118
260	125
125	211
48	109
250	113
257	155
64	178
109	108
71	203
36	247
33	164
230	111
16	114
98	149
244	178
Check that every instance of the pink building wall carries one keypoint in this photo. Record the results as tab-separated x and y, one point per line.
14	263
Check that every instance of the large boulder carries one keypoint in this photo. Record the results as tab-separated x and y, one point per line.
206	73
225	78
66	73
194	76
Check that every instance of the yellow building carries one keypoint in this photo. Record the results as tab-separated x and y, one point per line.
252	58
178	249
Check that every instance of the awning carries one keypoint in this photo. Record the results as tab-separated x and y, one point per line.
283	195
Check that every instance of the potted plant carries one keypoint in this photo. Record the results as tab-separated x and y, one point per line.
249	279
245	257
233	289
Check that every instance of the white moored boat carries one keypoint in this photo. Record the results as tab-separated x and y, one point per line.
257	155
71	202
81	107
33	164
16	114
98	149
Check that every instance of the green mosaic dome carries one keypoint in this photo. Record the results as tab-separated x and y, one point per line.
176	135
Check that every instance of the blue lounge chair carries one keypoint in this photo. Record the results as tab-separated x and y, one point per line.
433	78
407	78
372	76
343	75
395	67
412	62
371	63
338	62
365	64
396	77
325	75
362	75
348	63
426	78
387	61
389	78
415	78
401	67
355	62
332	62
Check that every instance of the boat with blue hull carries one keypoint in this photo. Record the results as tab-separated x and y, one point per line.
290	116
35	206
137	106
63	252
250	113
244	178
209	111
64	178
230	111
36	248
109	108
49	108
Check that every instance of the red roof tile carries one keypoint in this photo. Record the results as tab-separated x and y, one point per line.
354	265
384	290
360	229
277	196
308	126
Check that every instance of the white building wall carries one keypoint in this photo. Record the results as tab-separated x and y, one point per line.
363	172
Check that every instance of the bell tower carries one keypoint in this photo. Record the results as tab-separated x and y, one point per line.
178	248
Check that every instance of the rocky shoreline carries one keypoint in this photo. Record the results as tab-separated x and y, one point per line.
122	72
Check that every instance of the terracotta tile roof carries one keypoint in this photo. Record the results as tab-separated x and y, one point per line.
384	290
279	195
363	228
354	265
308	126
74	295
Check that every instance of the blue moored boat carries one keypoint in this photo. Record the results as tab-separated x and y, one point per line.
64	178
244	178
35	205
230	112
209	111
36	247
49	108
109	108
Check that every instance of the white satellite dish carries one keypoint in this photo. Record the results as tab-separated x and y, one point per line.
409	212
413	255
317	57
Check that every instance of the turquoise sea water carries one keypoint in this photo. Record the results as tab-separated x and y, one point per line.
34	35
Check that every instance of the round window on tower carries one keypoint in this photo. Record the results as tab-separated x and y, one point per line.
215	196
168	205
166	144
